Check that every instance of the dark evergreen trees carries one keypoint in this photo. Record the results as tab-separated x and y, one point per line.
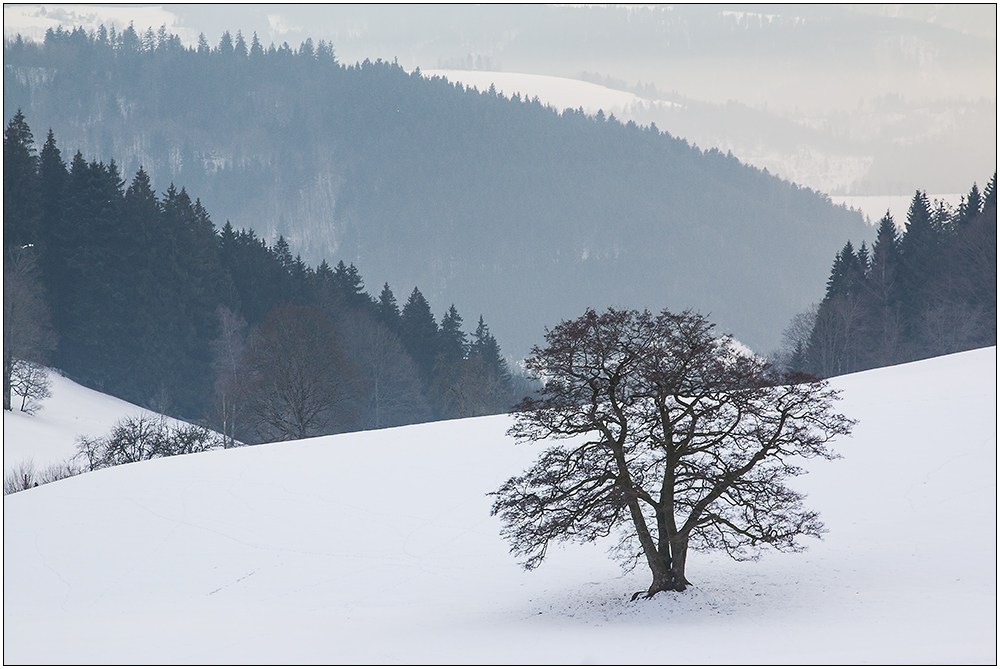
53	176
387	309
435	184
153	305
453	345
928	292
419	333
20	197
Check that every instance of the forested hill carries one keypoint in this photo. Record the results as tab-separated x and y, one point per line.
525	212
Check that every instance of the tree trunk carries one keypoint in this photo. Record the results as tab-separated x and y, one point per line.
7	369
668	572
678	549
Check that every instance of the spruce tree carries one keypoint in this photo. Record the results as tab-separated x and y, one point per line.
990	194
89	299
20	185
283	252
919	258
971	206
52	180
387	310
348	280
885	256
419	333
484	346
453	340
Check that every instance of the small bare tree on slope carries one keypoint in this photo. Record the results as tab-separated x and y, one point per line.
679	440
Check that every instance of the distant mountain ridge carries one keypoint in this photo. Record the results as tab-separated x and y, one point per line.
526	213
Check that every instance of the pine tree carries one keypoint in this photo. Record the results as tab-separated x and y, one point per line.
283	253
990	194
226	45
241	46
419	333
847	272
885	255
256	50
352	287
453	344
885	328
20	184
88	299
387	309
971	206
148	295
485	347
52	179
920	254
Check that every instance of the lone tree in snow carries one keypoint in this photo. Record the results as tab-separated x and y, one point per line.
679	440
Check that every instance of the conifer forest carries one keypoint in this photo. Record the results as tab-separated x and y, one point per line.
150	302
135	290
499	204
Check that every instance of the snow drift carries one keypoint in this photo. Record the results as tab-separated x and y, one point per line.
378	547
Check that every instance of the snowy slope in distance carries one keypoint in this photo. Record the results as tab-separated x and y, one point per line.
48	437
559	92
378	547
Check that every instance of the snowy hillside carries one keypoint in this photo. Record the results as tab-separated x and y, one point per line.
559	92
378	547
48	436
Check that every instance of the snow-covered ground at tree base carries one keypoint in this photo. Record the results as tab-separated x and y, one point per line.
378	547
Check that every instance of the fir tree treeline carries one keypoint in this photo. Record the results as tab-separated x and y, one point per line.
929	291
152	304
496	200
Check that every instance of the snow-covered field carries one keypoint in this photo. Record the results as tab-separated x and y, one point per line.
378	547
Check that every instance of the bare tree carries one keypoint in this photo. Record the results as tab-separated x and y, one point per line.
840	339
21	477
681	440
143	437
24	476
463	388
230	394
791	357
27	335
132	439
299	382
30	381
394	396
949	327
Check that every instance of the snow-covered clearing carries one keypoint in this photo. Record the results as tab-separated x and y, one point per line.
378	547
559	92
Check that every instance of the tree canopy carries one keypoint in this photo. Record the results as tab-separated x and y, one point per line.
677	438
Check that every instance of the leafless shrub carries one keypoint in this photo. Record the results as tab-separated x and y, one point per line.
143	437
21	477
30	381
